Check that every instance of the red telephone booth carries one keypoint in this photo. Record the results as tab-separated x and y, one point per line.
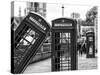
26	40
90	40
63	46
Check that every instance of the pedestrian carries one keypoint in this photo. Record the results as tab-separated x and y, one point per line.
79	46
83	48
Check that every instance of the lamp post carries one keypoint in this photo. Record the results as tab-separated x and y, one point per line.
62	10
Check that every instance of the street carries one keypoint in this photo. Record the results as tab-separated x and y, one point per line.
45	65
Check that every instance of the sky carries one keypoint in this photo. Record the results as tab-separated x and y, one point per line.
55	11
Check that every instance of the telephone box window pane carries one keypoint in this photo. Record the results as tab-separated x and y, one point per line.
31	36
62	53
65	38
25	43
35	37
91	49
31	32
64	50
22	46
90	38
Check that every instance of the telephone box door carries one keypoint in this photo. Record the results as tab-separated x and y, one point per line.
64	56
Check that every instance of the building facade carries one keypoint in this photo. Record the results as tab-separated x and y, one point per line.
37	7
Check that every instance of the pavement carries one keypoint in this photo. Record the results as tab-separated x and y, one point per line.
38	67
45	65
87	63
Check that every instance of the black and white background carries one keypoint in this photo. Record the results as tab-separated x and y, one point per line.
5	33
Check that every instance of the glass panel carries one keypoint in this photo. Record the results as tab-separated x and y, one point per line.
20	50
62	47
24	45
90	38
35	36
91	49
31	36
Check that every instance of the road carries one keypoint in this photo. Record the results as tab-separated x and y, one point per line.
45	65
